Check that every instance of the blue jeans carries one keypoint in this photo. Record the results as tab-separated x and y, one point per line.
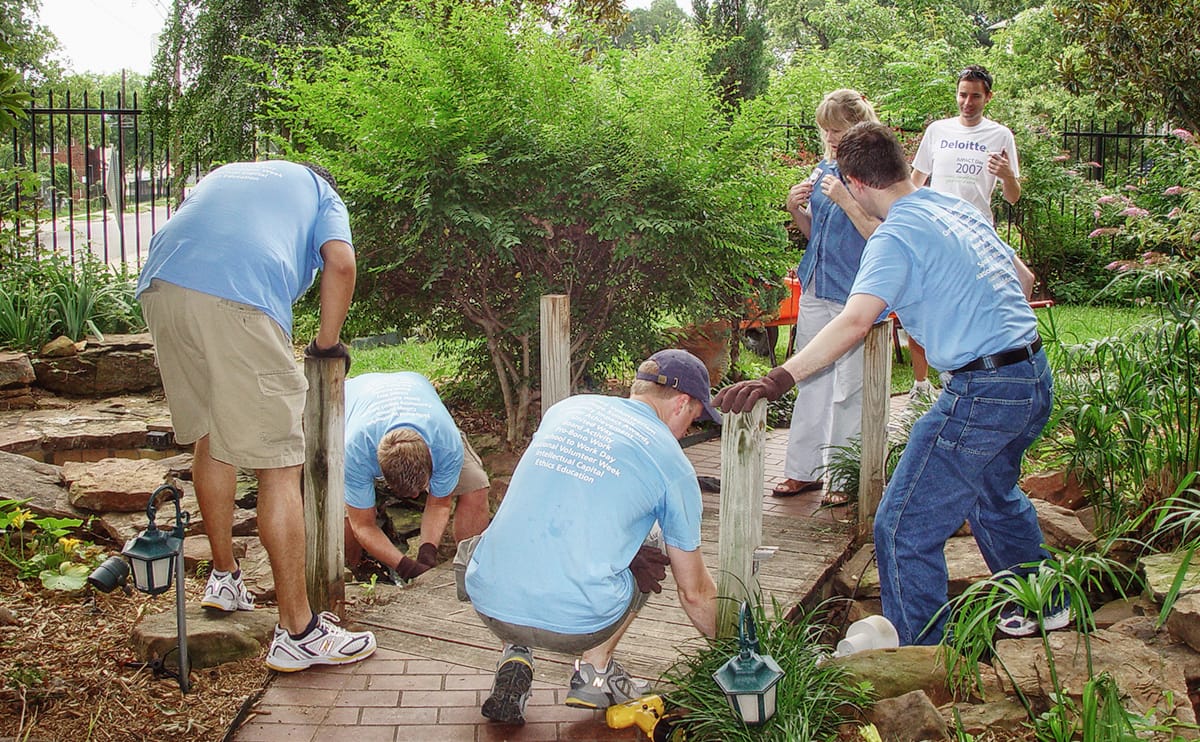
962	462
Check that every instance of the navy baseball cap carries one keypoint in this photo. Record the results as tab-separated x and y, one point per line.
681	370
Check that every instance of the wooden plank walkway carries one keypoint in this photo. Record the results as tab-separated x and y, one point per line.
427	620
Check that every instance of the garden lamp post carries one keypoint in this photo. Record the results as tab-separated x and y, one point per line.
749	680
154	556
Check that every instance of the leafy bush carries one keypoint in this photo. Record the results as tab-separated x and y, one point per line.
42	298
490	163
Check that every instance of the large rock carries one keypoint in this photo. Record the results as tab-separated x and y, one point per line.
1184	620
859	576
1144	675
15	370
256	571
1116	611
22	478
1005	715
119	364
17	398
894	672
197	550
213	637
907	718
1160	571
1056	487
1060	526
111	425
121	485
120	527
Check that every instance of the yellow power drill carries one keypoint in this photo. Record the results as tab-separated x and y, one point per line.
647	714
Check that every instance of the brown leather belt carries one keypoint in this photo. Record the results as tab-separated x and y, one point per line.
1007	358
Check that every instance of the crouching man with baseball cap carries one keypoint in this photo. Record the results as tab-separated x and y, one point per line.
567	563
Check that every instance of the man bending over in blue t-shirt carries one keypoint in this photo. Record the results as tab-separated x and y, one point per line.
963	457
566	564
397	428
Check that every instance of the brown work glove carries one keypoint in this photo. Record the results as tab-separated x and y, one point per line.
410	568
649	567
428	554
740	397
312	350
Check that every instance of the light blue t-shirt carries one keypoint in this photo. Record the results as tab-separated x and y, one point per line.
597	475
378	403
250	232
948	276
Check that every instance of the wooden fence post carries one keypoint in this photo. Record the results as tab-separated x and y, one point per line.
324	483
743	447
556	349
877	374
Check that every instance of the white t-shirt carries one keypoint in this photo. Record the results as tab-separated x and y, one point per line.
955	157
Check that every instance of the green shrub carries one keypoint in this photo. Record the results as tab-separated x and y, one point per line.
489	163
812	697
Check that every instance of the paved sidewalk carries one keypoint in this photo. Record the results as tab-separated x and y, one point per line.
393	697
399	697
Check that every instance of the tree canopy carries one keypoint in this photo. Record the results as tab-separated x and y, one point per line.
1144	54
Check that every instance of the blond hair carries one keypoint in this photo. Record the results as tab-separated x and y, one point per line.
406	462
842	109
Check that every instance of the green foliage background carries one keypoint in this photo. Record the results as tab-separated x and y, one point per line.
489	163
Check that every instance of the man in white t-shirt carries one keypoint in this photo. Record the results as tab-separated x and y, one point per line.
965	156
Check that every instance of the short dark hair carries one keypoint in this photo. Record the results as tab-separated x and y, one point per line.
871	154
976	72
325	174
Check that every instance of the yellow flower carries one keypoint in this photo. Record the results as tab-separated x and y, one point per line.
20	517
68	544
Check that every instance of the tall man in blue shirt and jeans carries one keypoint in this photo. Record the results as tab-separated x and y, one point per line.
217	291
963	457
567	563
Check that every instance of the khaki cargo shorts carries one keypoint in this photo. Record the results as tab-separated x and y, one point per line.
473	476
229	373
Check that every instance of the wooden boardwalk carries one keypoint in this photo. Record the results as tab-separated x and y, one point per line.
427	620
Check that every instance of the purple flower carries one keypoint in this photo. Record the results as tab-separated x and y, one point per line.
1103	232
1096	214
1173	191
1183	135
1113	265
1095	164
1061	158
1106	200
1134	211
1174	213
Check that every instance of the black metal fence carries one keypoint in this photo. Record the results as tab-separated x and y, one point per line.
1113	155
102	174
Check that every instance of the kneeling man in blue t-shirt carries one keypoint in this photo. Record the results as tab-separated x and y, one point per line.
963	457
569	558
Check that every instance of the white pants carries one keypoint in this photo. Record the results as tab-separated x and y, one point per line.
828	409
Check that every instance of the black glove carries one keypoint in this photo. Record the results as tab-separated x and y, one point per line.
428	554
312	350
408	568
740	397
649	567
